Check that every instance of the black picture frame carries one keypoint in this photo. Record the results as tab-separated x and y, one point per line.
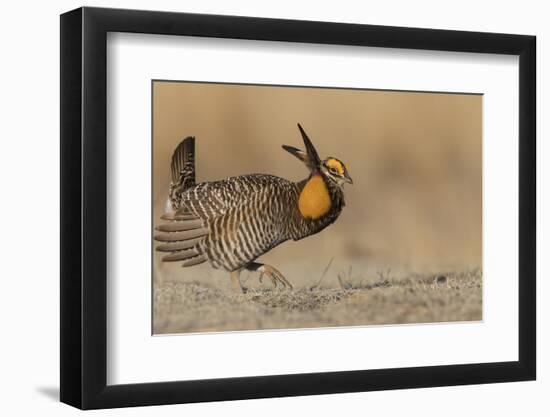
84	207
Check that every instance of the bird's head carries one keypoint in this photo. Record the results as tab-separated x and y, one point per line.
331	168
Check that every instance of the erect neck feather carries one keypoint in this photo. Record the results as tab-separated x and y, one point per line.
315	201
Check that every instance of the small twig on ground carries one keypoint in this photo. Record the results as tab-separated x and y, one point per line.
344	285
384	275
322	276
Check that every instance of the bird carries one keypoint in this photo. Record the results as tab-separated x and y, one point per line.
232	222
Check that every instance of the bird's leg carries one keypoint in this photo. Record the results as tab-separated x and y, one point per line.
236	282
271	272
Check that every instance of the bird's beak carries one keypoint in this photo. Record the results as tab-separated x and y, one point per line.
347	178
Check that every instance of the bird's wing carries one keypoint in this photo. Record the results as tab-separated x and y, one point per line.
213	199
182	231
202	208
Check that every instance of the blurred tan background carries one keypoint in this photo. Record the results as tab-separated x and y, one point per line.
415	158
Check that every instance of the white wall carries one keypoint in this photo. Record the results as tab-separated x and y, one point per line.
29	160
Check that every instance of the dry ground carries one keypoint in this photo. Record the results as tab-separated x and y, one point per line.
181	307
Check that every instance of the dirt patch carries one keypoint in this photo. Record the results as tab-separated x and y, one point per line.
193	307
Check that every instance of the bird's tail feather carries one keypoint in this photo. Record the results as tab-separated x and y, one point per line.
183	170
183	162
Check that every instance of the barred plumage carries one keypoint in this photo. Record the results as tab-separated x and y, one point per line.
232	222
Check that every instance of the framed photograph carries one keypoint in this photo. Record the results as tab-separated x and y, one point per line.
258	208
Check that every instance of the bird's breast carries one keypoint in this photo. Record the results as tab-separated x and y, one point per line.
314	201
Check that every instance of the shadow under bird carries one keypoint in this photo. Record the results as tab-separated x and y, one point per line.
232	222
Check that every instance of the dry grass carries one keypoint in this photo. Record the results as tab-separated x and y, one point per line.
181	307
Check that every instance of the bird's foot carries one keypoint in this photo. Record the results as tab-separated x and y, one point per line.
276	277
236	285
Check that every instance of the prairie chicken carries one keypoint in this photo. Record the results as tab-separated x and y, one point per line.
230	223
